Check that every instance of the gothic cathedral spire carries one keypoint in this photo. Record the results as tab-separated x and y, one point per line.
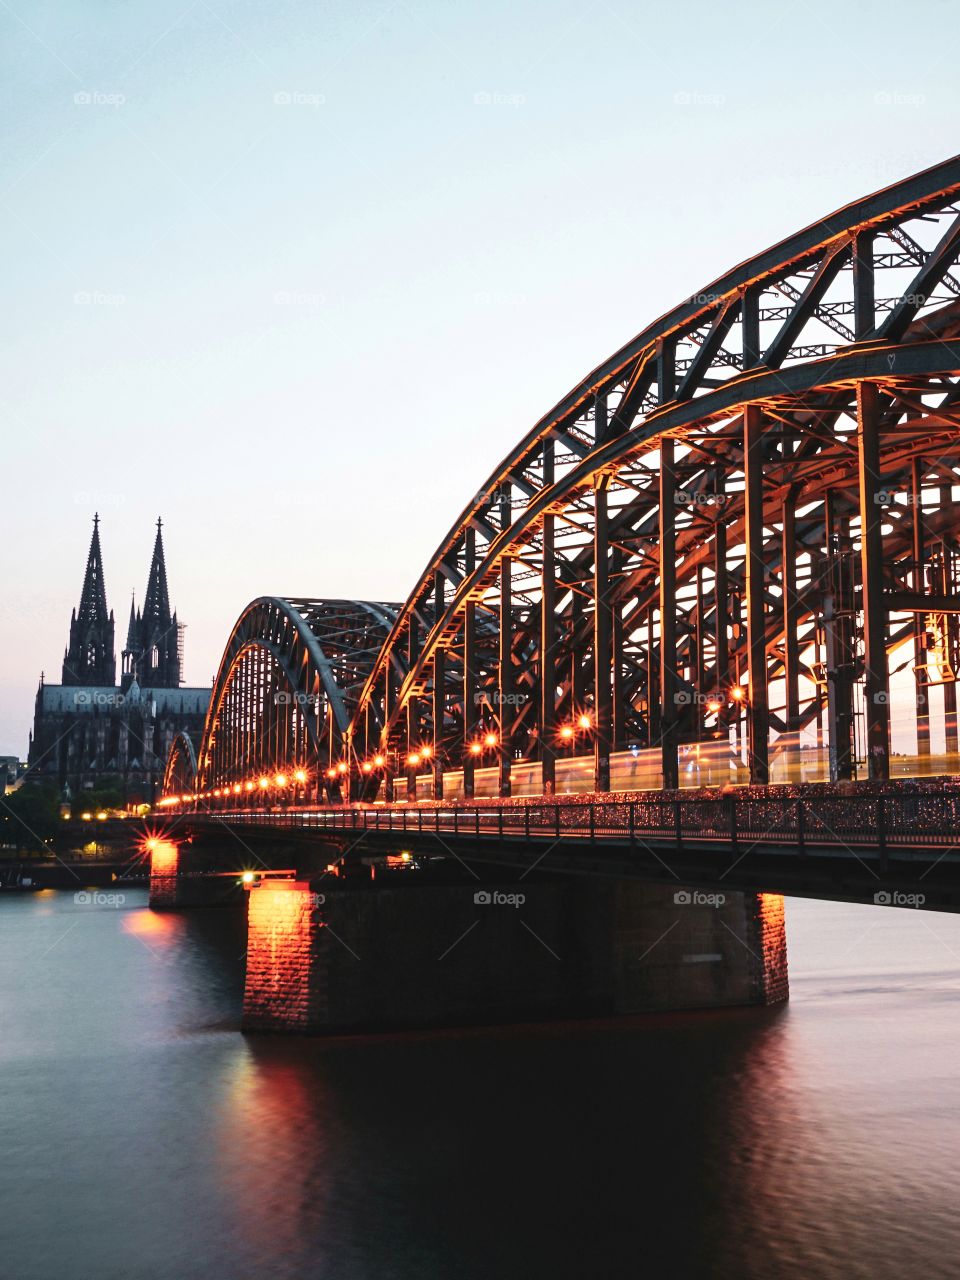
90	659
152	654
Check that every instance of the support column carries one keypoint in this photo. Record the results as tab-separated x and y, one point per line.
838	644
505	663
864	303
669	687
602	637
950	628
470	678
548	638
791	614
876	691
721	602
921	684
758	714
439	693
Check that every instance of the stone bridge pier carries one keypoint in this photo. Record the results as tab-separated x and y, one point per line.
326	956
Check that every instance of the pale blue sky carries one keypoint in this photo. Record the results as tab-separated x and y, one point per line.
305	330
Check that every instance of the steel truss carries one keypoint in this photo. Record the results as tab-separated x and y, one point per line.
725	533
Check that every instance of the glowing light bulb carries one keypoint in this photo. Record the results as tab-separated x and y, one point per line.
300	775
264	783
566	732
379	761
490	740
475	748
585	722
281	779
413	758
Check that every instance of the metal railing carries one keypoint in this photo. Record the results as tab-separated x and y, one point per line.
802	823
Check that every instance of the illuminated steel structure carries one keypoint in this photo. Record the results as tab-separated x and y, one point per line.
728	533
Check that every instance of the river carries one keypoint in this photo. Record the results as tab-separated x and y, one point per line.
143	1138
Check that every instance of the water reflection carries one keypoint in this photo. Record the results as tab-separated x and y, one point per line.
145	1137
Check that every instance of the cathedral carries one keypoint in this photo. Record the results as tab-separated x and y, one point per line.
88	729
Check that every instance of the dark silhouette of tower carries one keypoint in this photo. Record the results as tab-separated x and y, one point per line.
89	659
152	652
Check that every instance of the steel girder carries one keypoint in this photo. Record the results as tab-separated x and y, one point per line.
695	516
180	774
288	685
770	336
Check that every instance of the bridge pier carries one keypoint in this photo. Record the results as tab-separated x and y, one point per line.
326	958
182	875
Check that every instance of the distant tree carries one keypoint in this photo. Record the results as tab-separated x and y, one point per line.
29	816
109	793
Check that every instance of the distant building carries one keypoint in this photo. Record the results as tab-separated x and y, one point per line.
88	728
10	769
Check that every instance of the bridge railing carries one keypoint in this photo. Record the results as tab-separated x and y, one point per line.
798	822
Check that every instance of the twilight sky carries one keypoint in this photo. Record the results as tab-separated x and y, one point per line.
297	275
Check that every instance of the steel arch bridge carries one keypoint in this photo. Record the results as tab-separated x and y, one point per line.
725	555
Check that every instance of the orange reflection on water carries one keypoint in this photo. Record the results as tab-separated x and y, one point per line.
150	925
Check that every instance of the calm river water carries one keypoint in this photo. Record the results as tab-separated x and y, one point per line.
142	1137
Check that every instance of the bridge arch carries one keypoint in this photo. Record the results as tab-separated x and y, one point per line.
285	691
732	533
180	774
676	555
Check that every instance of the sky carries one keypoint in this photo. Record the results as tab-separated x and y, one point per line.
296	276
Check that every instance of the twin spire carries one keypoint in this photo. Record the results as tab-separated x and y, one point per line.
151	655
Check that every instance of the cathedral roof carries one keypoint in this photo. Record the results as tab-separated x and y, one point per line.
107	699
